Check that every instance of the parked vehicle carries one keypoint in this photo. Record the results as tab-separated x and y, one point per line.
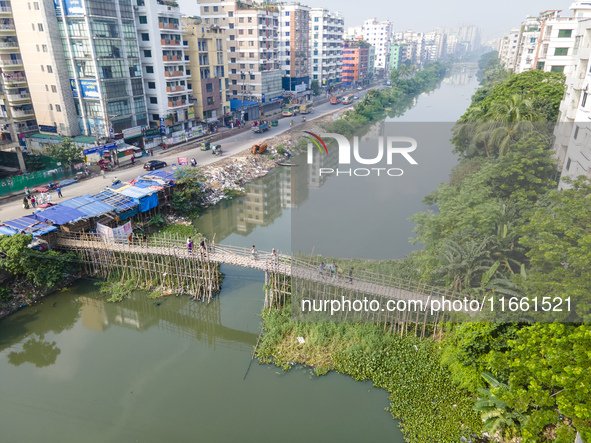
154	164
259	148
105	164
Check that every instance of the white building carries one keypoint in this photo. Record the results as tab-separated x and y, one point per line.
528	41
379	35
508	48
326	44
164	66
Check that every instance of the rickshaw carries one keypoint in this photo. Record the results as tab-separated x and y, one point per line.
216	150
275	123
205	146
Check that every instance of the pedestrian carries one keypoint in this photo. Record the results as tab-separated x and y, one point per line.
252	253
351	275
152	152
274	257
145	239
33	201
48	197
202	247
291	123
26	192
42	198
321	269
59	192
25	202
333	271
190	245
132	160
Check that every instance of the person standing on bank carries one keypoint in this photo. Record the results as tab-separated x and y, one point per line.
25	202
59	192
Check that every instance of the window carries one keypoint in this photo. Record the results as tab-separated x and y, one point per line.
287	13
58	108
33	25
145	37
287	34
147	53
40	27
287	24
53	88
215	9
143	20
561	51
252	76
155	117
557	69
38	50
188	72
576	134
568	164
154	100
49	69
151	85
584	101
50	107
206	9
42	68
565	33
149	69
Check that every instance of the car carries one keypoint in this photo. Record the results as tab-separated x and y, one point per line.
154	164
355	97
359	88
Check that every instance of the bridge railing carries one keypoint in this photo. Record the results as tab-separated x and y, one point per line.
308	264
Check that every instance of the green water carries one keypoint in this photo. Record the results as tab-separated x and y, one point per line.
75	368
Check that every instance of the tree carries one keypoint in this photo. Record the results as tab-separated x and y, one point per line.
66	152
315	87
190	193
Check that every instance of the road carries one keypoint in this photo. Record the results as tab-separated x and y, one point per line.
231	145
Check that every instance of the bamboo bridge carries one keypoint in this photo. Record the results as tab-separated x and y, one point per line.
166	262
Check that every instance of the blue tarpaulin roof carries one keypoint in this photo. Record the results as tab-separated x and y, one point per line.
125	207
29	226
59	215
237	104
146	198
161	174
89	205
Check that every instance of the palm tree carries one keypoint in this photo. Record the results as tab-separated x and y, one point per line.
464	262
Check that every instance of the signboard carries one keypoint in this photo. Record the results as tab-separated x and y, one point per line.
183	161
89	89
300	88
276	99
152	131
74	88
132	132
162	126
191	112
58	7
100	149
73	7
263	98
180	115
44	128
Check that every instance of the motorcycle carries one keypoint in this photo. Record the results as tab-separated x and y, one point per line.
217	150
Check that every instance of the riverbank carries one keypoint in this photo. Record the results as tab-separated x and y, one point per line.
422	394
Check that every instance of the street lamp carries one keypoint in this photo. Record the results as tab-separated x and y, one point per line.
243	93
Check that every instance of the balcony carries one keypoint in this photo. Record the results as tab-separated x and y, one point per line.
5	10
11	64
9	47
169	74
171	58
28	128
175	88
14	79
170	42
28	113
18	97
7	29
177	103
168	25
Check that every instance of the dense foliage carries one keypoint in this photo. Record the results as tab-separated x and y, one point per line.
66	152
188	197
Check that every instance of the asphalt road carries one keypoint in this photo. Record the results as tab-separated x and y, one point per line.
230	146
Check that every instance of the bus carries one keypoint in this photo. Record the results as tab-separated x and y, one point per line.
347	100
307	108
286	112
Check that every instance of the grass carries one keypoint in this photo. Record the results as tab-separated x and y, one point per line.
423	396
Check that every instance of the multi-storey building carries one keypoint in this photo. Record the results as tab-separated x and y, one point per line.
294	50
355	62
208	65
326	44
379	35
395	56
528	41
435	46
17	118
165	67
82	59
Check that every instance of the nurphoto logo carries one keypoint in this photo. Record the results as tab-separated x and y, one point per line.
393	145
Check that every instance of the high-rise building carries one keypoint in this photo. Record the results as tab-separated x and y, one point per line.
84	59
165	68
355	62
379	35
208	65
17	118
294	50
326	44
508	48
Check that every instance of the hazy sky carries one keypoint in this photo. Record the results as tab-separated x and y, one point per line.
495	17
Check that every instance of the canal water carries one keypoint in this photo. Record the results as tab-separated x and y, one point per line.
75	368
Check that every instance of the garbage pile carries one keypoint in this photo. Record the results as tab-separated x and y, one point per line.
227	178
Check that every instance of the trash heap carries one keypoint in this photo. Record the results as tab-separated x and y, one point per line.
228	177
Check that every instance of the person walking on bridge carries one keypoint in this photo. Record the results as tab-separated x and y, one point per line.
190	245
351	275
274	257
202	247
253	253
321	269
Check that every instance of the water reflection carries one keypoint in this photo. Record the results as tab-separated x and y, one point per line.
37	351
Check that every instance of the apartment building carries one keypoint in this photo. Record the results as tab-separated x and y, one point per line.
573	132
528	41
83	64
165	68
355	62
435	46
379	35
208	81
507	49
294	51
326	44
395	56
17	118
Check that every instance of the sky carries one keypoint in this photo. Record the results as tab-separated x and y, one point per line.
495	17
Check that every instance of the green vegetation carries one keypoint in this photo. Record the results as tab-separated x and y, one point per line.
116	290
67	152
315	87
422	393
188	197
43	269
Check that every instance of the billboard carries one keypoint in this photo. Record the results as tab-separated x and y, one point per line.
191	112
73	7
89	88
